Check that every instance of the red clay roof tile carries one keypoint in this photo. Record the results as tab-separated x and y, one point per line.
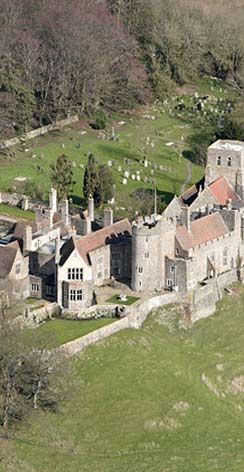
202	230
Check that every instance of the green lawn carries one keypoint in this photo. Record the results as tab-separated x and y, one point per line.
15	212
56	332
115	299
168	126
160	399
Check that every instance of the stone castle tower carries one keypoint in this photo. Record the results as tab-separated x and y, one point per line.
226	158
152	239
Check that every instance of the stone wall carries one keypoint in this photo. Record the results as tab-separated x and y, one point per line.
135	319
39	132
34	317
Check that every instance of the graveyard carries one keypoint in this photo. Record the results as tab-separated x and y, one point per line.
144	148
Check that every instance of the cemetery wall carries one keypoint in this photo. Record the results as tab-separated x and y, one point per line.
39	132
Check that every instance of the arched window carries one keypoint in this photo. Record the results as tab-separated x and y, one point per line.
219	161
229	161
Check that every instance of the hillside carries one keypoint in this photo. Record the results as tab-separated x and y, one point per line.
163	398
161	133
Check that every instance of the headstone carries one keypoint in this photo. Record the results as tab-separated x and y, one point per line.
126	174
133	177
138	177
74	164
145	163
152	171
119	168
145	180
110	163
124	181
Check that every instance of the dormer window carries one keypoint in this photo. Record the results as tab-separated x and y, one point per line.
229	162
218	161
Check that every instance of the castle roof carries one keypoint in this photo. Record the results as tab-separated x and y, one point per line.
92	241
222	191
7	257
190	195
201	231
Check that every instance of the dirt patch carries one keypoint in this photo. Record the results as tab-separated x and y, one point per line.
237	385
181	406
170	424
220	367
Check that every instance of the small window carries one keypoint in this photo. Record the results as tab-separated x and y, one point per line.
72	295
146	255
177	251
219	161
18	268
79	295
229	161
140	270
169	283
35	287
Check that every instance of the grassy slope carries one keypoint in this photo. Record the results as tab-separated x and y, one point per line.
123	411
57	332
132	137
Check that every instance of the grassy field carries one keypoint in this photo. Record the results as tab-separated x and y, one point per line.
15	212
160	399
166	130
56	332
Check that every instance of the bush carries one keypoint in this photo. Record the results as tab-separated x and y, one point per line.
100	121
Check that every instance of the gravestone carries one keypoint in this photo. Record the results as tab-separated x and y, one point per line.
110	163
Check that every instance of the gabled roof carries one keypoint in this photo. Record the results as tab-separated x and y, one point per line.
92	241
188	197
7	258
222	191
202	230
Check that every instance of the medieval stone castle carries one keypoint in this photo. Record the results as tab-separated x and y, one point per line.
199	237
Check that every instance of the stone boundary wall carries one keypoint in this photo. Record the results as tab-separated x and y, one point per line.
39	132
34	317
135	319
95	311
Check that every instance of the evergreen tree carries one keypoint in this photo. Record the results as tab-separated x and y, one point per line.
98	182
91	180
106	182
62	176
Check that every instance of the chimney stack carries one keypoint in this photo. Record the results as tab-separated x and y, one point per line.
229	204
91	208
53	200
65	211
57	250
27	238
108	217
186	217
